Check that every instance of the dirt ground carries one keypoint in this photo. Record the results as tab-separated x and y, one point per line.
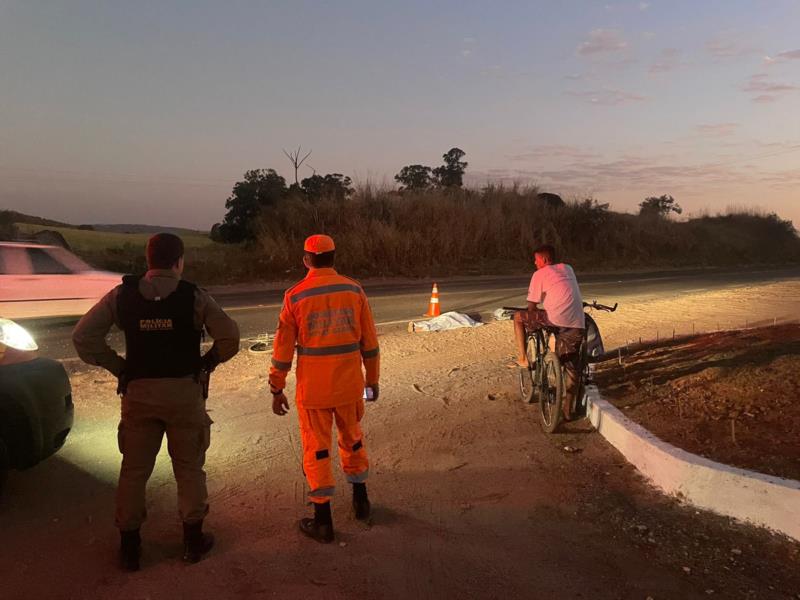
729	396
470	499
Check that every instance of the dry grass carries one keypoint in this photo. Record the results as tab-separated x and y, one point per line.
379	232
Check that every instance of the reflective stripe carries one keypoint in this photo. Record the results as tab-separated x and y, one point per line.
370	353
322	492
358	477
327	350
325	289
281	366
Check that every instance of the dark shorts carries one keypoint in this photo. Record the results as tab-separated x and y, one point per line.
568	339
568	342
534	319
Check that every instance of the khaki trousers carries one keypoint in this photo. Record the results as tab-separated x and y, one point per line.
151	408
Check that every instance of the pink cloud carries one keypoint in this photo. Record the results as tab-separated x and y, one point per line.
669	60
717	129
608	97
728	45
602	41
547	151
764	99
783	56
760	83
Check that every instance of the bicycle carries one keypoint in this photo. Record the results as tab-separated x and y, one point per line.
543	381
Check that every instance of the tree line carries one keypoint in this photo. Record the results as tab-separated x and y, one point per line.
264	189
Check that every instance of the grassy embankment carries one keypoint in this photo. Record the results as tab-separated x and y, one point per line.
120	252
380	233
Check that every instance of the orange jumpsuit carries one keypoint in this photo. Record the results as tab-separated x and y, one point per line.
327	317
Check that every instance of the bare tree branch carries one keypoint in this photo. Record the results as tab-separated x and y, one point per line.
294	158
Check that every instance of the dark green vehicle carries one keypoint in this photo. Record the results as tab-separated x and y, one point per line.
36	409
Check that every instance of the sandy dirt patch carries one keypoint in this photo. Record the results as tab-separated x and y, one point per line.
729	396
471	499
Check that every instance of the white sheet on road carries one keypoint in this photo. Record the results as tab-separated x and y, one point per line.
449	320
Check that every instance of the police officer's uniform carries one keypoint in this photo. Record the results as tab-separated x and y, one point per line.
162	382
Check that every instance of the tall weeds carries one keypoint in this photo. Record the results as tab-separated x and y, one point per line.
381	233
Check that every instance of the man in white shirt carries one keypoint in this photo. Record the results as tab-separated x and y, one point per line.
555	287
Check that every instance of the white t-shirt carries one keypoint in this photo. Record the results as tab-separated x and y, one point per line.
556	287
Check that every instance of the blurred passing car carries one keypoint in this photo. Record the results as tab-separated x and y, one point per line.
36	409
48	281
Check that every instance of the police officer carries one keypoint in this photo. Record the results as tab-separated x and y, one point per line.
163	381
327	317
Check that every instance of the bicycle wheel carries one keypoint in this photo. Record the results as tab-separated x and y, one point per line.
527	377
551	393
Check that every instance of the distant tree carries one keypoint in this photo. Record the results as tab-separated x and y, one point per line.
551	200
451	173
332	185
8	230
415	178
659	207
260	189
294	158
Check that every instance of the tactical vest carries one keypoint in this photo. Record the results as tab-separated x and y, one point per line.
160	335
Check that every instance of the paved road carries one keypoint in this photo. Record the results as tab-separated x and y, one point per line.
394	304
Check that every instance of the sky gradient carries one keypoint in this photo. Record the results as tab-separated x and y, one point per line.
148	112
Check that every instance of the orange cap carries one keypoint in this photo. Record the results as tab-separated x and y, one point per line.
317	244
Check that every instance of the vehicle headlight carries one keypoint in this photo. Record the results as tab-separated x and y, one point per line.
16	337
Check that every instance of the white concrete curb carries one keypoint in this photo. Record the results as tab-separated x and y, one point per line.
764	500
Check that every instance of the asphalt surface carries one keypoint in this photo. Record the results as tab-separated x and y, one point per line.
394	304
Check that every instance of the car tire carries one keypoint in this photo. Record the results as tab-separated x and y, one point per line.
4	464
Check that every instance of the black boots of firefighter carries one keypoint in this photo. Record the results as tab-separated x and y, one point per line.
361	501
319	528
195	542
130	549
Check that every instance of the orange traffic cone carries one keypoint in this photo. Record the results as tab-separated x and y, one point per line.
433	306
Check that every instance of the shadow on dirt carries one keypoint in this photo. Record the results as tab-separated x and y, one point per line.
50	489
666	361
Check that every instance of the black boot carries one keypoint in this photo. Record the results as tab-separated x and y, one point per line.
195	542
130	549
319	528
361	504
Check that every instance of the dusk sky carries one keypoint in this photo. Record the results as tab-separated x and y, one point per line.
148	112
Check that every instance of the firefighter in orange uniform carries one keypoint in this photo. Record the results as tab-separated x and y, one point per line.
327	317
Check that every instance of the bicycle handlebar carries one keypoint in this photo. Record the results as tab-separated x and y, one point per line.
594	304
